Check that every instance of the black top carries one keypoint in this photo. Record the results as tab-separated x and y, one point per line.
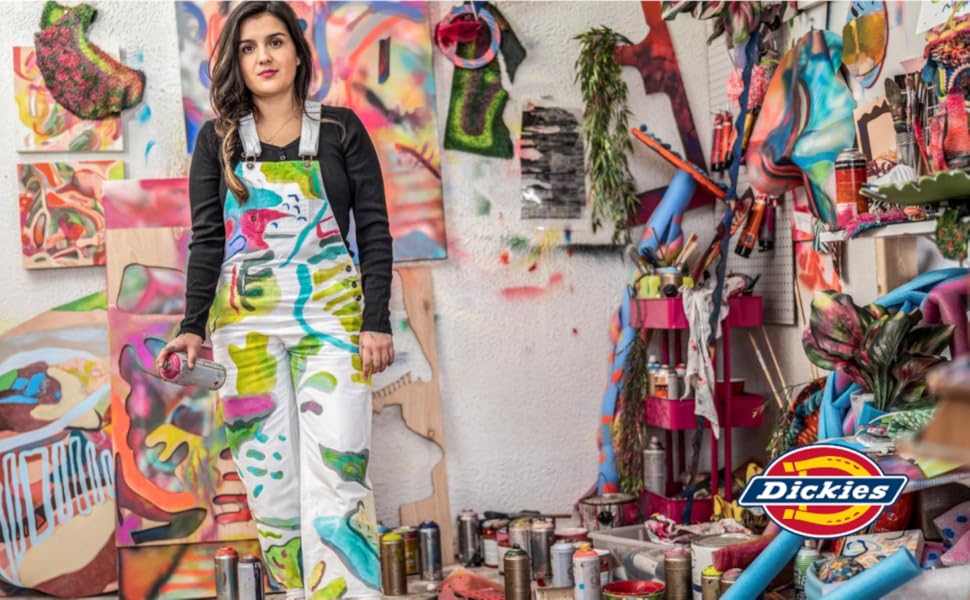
352	178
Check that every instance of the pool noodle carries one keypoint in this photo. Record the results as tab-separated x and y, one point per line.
878	580
769	563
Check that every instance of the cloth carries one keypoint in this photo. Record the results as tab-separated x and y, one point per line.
352	172
662	530
954	523
959	553
285	324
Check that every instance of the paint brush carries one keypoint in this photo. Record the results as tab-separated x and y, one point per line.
690	246
899	109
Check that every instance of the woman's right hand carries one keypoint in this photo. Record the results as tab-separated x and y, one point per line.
189	343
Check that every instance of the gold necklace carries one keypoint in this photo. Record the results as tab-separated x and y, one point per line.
270	139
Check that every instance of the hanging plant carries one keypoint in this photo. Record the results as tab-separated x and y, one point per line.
606	131
630	428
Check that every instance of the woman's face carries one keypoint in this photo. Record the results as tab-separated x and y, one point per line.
267	56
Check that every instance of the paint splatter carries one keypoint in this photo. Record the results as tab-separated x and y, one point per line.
504	257
484	205
526	292
148	148
350	466
533	267
383	59
145	114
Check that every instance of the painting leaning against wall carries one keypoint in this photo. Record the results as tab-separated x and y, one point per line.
57	494
61	216
391	91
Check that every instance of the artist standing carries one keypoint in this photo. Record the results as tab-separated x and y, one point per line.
273	181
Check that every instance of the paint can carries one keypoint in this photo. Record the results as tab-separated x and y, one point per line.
520	534
518	575
571	534
661	378
227	576
606	565
806	556
250	578
677	574
561	559
206	373
542	540
489	548
634	590
703	549
605	512
503	545
710	584
654	467
586	574
429	548
728	578
412	558
394	577
468	539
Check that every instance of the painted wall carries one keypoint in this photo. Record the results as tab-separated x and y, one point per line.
522	379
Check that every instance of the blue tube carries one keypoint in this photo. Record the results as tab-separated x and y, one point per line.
665	219
775	557
878	580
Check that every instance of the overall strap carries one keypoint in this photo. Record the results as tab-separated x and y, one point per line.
310	131
250	139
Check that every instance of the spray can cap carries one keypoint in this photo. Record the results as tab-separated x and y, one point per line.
585	551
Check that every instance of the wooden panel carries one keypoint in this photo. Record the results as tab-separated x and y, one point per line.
895	262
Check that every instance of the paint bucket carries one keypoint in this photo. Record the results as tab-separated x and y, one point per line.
606	511
703	549
571	534
634	590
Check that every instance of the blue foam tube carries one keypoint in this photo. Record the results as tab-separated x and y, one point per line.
877	581
769	563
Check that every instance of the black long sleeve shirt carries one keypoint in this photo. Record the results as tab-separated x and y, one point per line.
352	178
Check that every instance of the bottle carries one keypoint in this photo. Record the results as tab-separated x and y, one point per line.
681	373
206	373
652	367
660	381
654	473
807	555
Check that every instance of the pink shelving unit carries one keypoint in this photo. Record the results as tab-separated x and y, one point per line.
735	407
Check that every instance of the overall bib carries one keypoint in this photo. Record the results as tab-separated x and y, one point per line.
285	323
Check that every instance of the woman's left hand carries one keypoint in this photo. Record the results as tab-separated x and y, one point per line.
376	351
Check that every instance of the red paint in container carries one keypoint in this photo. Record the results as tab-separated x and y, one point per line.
206	373
850	175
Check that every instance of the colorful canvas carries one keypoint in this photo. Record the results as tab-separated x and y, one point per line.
553	177
147	202
43	125
175	479
871	548
398	112
57	494
61	214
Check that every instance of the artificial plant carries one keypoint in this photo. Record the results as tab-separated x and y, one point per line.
630	431
887	352
606	131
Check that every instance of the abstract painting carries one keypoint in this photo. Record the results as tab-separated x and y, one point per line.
57	493
61	215
175	479
394	98
553	177
43	125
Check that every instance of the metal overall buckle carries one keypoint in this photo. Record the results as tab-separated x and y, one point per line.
306	161
251	160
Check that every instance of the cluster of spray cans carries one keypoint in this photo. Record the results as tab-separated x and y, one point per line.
409	551
238	578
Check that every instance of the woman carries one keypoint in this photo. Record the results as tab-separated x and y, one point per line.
270	218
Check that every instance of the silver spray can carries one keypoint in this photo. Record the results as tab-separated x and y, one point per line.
520	534
654	468
561	556
468	539
586	574
806	556
429	540
250	578
205	374
542	538
227	579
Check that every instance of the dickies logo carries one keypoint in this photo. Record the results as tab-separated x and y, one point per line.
823	491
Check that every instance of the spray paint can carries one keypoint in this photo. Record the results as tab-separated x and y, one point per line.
660	378
468	539
206	373
503	545
677	571
728	578
412	559
250	578
520	534
807	555
586	574
429	545
518	575
227	578
710	584
652	367
394	577
674	390
561	559
654	471
490	547
542	539
681	373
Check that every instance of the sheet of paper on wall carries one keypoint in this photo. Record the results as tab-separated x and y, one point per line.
936	13
551	157
877	136
43	125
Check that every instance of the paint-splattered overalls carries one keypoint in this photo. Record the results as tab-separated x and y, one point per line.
285	322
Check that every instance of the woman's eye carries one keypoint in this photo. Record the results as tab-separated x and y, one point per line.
246	49
276	43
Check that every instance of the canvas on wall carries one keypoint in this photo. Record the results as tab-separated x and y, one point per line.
175	478
553	175
372	57
57	494
61	214
43	125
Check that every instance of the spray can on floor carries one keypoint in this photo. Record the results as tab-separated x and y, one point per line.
429	542
586	574
518	575
807	555
250	578
561	556
206	373
394	577
677	571
227	579
469	553
542	538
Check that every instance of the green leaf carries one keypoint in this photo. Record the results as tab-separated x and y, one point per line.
929	339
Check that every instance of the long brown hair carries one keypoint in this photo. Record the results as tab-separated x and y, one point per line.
230	97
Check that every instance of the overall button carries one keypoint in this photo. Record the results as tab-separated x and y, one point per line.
282	156
353	284
348	268
358	297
